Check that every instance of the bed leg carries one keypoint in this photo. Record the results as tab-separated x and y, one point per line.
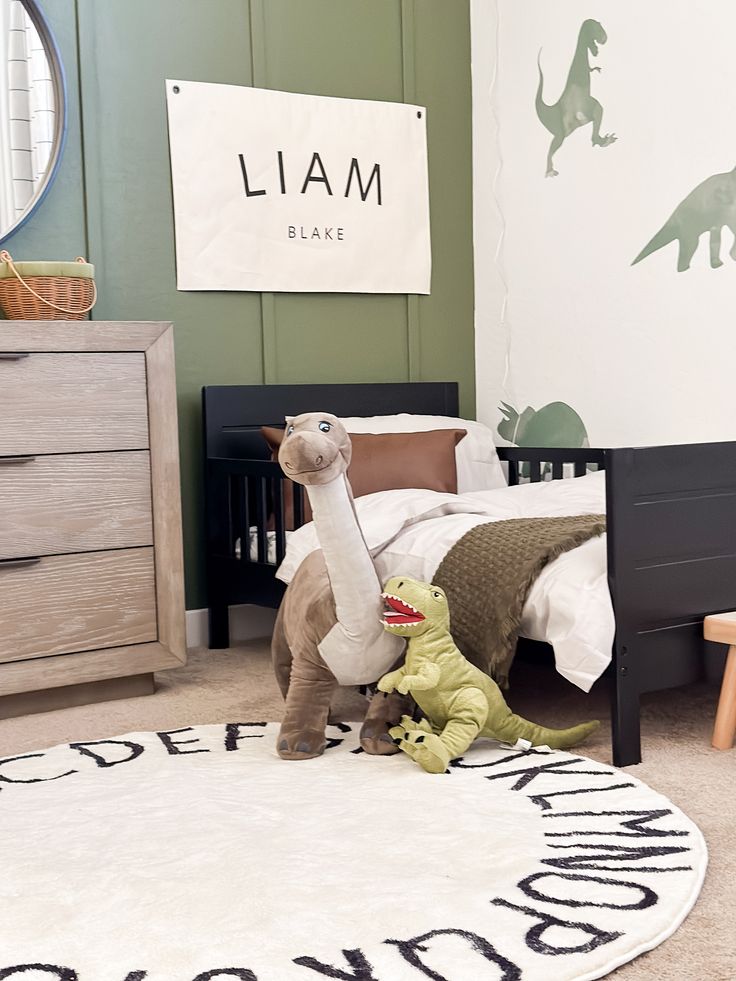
625	723
219	627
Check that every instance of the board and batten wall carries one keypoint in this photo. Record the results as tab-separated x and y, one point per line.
112	198
568	322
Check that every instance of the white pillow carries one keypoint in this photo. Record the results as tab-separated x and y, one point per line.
476	459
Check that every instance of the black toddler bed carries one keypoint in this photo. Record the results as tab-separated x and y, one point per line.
671	526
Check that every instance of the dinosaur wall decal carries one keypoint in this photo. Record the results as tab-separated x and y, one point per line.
707	208
576	107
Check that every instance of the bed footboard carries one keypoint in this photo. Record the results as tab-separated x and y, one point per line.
671	560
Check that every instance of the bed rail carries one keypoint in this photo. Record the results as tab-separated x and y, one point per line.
534	463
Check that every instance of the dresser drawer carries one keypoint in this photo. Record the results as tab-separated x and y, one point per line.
74	503
69	403
78	602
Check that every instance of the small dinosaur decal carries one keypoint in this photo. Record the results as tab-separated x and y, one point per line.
555	424
576	106
459	701
710	206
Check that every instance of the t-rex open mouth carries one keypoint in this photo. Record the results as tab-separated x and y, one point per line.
399	611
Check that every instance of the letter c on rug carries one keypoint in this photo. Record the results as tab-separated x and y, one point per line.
30	756
60	973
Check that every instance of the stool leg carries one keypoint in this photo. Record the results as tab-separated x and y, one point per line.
725	727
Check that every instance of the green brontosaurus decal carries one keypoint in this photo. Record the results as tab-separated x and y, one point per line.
576	107
706	209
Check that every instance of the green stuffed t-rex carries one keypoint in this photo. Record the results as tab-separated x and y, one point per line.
459	701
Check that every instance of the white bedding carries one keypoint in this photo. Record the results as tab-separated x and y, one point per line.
409	532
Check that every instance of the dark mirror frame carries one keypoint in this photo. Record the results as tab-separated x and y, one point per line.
34	11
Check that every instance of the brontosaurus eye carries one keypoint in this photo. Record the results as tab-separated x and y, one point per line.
325	427
290	430
436	594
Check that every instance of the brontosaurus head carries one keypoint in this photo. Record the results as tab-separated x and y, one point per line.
413	608
593	33
315	449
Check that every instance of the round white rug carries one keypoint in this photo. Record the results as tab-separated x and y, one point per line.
199	855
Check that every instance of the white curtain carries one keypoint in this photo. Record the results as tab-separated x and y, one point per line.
27	112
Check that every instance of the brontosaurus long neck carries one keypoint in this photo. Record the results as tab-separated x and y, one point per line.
353	577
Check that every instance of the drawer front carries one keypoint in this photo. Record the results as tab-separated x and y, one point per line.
79	602
69	403
74	503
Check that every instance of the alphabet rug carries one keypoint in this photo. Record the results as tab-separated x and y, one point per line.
197	854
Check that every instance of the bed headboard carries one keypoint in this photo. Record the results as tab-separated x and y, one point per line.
233	414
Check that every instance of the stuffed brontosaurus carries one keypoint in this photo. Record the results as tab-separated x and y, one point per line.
328	630
459	701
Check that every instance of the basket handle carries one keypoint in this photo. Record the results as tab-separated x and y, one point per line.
6	257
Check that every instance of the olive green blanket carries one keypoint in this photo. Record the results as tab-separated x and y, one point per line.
487	576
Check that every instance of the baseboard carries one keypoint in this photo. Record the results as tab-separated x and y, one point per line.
246	623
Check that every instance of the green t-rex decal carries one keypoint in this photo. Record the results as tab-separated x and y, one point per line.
576	106
458	700
706	209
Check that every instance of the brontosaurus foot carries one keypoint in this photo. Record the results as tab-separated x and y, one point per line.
384	711
552	173
606	140
376	739
303	744
716	263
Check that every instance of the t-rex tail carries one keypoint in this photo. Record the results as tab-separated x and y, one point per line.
664	236
547	114
542	736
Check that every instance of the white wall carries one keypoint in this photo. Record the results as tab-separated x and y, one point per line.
645	354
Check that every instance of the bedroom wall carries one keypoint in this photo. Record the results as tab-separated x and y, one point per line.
567	327
112	198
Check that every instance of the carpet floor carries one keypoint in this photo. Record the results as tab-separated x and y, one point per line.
237	685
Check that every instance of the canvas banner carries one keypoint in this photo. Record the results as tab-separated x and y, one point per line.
277	191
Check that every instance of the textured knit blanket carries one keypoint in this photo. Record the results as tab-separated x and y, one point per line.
487	575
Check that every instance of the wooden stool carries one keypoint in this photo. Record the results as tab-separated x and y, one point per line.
721	627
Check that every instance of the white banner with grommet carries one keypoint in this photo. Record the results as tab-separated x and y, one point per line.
278	191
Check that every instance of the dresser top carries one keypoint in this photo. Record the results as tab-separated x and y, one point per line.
80	335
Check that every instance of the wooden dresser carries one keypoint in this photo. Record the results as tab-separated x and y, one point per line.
91	574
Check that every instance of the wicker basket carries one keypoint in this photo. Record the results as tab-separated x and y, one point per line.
68	294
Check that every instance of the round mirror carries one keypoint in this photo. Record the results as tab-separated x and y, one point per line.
32	118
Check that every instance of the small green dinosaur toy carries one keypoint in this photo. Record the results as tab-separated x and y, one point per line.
459	701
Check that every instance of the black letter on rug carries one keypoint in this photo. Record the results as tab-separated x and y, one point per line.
172	748
30	756
135	751
60	973
534	936
241	973
137	976
408	949
648	896
362	970
232	733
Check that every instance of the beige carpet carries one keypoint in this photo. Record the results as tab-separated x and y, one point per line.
237	685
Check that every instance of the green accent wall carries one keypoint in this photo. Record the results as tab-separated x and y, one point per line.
112	199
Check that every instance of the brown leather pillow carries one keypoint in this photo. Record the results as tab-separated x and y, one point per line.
387	461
